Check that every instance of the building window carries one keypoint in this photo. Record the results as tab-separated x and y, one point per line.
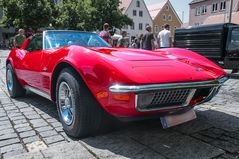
125	27
164	17
198	11
214	7
134	13
132	27
169	18
223	5
162	27
141	13
204	9
156	28
140	26
138	4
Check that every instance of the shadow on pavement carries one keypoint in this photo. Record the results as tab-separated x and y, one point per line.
211	135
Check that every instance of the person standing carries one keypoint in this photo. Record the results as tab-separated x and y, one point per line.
122	41
19	38
147	41
165	38
105	34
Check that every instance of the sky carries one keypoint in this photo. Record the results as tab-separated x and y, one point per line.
180	6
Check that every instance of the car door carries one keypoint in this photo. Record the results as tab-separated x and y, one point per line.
29	62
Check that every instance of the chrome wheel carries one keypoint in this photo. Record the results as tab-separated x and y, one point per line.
9	80
65	103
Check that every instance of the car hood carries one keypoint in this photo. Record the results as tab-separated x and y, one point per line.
143	66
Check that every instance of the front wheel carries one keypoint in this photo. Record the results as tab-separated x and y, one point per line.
79	112
13	86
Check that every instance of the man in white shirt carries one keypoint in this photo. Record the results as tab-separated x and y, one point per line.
165	38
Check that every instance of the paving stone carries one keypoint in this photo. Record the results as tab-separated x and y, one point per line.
32	116
31	139
17	117
21	125
13	112
3	115
36	146
9	142
72	150
52	120
172	144
53	139
56	124
68	138
220	120
119	147
59	129
21	104
23	129
48	133
219	138
10	108
14	153
34	155
20	121
27	109
8	136
27	134
13	147
227	156
45	128
5	101
6	122
38	123
12	115
6	131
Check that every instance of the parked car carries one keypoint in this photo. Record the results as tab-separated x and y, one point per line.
92	82
218	42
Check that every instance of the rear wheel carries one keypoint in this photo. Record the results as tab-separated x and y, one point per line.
80	113
13	86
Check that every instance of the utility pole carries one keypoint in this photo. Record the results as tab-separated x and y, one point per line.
230	11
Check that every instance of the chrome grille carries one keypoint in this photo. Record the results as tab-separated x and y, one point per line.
164	99
170	97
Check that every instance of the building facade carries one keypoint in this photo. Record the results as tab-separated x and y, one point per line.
164	13
138	12
212	11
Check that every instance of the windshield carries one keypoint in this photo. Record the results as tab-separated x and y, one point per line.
234	41
56	39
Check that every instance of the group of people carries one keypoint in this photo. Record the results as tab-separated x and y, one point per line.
145	41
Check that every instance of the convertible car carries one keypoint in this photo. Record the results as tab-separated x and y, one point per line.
93	83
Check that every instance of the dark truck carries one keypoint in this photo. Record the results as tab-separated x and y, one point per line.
218	42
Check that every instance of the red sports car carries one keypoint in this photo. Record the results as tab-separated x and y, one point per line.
92	82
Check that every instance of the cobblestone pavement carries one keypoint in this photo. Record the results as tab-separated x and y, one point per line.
29	128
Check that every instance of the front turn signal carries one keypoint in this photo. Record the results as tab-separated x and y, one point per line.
121	97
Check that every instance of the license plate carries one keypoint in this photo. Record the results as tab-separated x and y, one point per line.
172	120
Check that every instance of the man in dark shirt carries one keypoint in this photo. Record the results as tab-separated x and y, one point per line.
147	42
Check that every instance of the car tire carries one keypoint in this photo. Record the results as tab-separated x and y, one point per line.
13	86
79	112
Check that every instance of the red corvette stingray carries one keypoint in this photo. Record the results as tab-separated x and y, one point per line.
91	81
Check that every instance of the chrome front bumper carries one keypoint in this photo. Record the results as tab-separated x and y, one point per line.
142	88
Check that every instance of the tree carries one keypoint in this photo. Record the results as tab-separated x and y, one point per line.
74	14
108	11
28	13
90	15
